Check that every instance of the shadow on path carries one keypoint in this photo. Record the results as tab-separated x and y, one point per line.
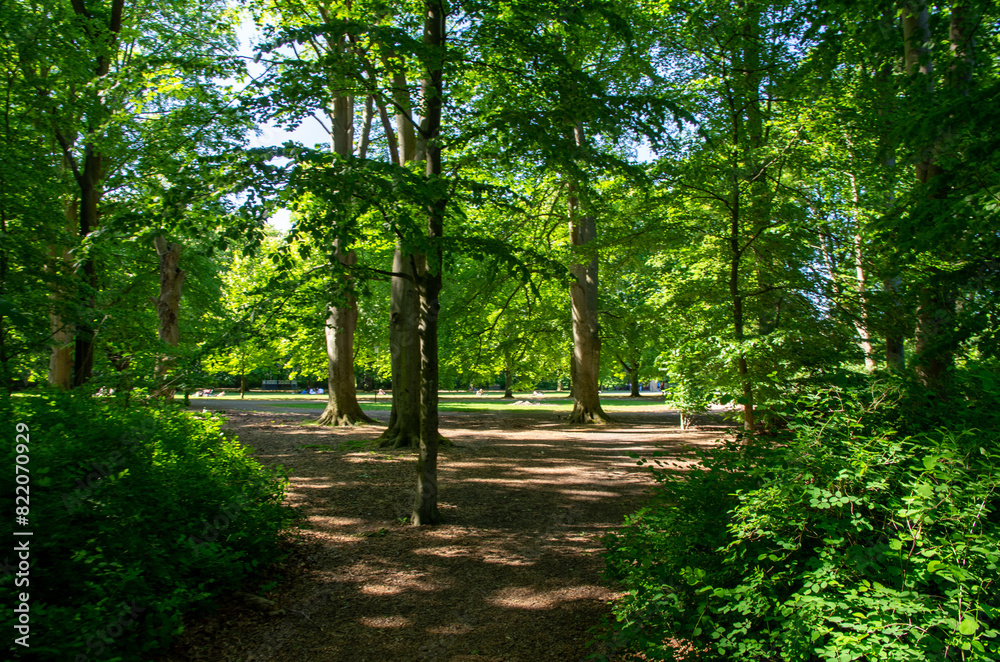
514	574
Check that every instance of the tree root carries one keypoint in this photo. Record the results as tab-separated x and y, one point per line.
581	416
334	419
395	438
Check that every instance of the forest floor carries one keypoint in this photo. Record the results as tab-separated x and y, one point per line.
514	573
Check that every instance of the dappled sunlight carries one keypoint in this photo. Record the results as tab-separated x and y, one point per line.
385	621
514	566
446	551
328	521
529	597
397	585
588	495
451	629
314	483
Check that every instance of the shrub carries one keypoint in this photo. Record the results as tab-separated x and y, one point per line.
854	535
138	515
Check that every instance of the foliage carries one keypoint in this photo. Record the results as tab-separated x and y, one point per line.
869	531
142	506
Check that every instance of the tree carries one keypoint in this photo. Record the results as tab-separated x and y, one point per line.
733	188
103	80
631	318
168	303
359	187
918	82
253	295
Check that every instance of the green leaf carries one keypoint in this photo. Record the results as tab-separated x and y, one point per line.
968	626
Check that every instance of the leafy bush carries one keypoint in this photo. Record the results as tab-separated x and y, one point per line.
138	514
868	531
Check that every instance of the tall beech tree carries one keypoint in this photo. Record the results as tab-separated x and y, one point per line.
105	77
168	304
929	241
429	274
586	358
358	187
342	406
568	91
348	54
404	307
78	123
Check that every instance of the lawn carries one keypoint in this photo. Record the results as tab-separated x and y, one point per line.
455	401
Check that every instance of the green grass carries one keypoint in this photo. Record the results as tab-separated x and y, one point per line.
454	401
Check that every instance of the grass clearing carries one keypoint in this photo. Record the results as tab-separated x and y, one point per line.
456	401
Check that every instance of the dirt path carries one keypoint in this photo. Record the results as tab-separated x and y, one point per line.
514	574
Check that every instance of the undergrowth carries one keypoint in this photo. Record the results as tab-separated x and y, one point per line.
138	515
868	530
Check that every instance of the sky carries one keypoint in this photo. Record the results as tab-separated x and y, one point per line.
308	133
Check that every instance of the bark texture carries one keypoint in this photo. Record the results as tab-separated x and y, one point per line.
62	332
404	354
342	406
404	301
168	306
583	303
862	323
425	505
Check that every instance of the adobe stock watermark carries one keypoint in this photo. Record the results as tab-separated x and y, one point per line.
98	642
22	511
106	467
222	521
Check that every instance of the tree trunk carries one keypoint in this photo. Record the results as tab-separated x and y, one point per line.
736	298
404	356
572	369
508	376
6	374
861	323
167	308
404	303
895	346
90	194
62	333
935	311
583	301
631	376
89	179
425	505
342	406
936	304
